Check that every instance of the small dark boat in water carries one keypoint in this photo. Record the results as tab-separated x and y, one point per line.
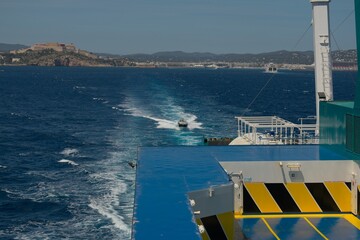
182	123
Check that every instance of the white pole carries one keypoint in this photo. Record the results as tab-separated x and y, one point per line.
322	55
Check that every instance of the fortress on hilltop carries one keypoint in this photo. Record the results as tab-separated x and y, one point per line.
58	47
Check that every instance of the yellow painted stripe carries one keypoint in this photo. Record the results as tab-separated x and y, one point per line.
227	222
353	220
341	195
315	228
302	197
204	235
262	197
270	229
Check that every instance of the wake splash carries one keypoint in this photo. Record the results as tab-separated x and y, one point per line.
115	195
68	162
105	206
69	152
170	122
173	124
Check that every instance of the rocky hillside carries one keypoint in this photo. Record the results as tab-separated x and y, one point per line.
50	57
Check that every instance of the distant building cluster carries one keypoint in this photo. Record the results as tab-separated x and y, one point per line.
58	47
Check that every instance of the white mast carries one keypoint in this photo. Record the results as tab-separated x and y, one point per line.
322	54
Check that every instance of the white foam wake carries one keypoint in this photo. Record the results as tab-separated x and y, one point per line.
69	151
173	124
105	206
68	162
1	166
108	204
100	100
170	121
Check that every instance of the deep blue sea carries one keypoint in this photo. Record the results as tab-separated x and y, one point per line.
67	135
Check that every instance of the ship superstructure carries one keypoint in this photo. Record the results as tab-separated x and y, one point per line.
268	191
304	132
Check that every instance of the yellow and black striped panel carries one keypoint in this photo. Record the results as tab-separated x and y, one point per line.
249	204
227	222
332	197
204	235
303	198
341	195
262	198
213	228
220	226
323	197
282	197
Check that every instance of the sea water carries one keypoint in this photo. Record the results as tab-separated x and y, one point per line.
67	135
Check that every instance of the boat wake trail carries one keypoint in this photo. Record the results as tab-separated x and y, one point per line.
106	206
173	124
114	198
169	115
68	162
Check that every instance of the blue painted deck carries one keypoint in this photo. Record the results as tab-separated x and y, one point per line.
255	228
297	228
293	228
336	228
166	174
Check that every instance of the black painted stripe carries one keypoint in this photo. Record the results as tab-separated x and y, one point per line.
282	197
213	228
322	197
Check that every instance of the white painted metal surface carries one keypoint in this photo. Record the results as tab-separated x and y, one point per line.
294	171
322	54
272	130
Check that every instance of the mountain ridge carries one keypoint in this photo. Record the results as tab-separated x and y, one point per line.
6	47
278	57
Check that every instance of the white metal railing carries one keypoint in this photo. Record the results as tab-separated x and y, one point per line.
275	130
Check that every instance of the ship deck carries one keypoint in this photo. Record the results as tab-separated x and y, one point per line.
300	226
165	175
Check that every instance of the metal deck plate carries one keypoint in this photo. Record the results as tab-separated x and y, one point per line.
166	174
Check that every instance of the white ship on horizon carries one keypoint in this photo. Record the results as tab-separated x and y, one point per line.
271	68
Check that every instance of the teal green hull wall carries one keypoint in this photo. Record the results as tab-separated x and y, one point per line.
333	122
335	131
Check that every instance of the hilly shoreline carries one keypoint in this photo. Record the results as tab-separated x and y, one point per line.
17	54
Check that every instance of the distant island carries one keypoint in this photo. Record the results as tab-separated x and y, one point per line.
61	54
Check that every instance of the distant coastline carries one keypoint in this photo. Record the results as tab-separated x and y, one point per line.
61	54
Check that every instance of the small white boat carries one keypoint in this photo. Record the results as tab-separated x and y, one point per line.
182	123
271	68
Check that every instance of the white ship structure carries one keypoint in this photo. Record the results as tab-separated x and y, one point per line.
271	68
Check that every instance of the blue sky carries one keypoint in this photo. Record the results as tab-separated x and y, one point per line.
148	26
